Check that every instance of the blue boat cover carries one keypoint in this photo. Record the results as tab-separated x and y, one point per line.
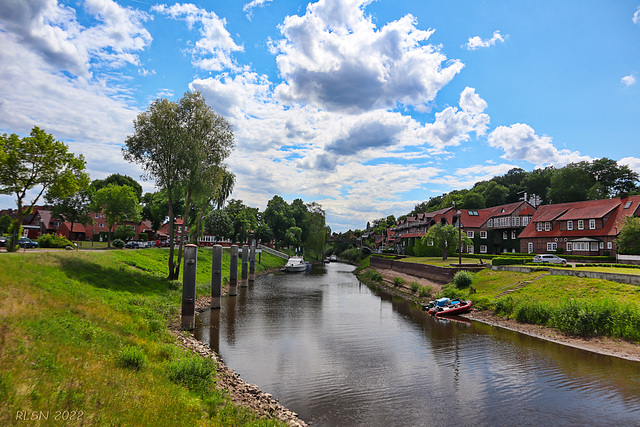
441	302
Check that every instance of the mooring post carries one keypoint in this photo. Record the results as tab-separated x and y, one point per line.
233	271
245	265
216	276
252	264
189	286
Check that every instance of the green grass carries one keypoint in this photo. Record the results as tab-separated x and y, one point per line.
440	263
87	331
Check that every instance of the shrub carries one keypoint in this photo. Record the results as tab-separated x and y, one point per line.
143	237
131	357
463	279
425	291
118	243
398	281
509	261
192	372
53	241
505	305
533	312
414	286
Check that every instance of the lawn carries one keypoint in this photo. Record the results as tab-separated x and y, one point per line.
86	333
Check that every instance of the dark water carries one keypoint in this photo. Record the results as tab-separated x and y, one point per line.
341	354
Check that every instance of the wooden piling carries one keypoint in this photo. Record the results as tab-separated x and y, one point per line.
216	276
233	271
189	287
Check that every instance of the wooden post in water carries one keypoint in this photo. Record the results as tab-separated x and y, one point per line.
216	276
245	265
189	286
233	271
252	264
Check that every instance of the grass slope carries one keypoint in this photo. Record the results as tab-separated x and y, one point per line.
84	335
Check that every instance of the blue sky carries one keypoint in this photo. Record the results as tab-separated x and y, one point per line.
366	107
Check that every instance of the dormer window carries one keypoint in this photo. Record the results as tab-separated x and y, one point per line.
547	226
592	224
580	224
569	225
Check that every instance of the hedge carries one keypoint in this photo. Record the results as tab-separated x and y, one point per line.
508	261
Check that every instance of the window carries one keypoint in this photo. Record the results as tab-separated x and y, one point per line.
97	216
552	246
580	246
547	226
483	234
470	249
490	223
569	225
530	247
513	234
470	234
580	224
516	221
601	245
525	221
505	235
592	224
609	245
538	226
569	246
483	249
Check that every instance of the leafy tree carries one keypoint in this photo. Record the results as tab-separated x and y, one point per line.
316	238
119	204
264	233
494	194
613	178
537	183
218	223
5	223
445	236
75	208
571	183
118	179
628	240
279	217
38	162
125	232
472	200
215	191
243	218
292	237
179	145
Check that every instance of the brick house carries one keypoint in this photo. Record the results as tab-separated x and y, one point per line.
579	228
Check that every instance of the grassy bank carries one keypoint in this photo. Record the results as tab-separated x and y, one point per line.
84	335
577	306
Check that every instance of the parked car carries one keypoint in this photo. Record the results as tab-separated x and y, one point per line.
549	259
132	245
3	241
26	242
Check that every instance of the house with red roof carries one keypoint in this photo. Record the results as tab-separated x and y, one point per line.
580	228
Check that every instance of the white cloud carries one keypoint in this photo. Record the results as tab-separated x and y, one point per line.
53	32
629	80
632	162
476	42
520	142
213	52
636	16
335	58
248	8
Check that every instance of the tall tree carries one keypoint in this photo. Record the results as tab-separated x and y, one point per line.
445	236
243	218
119	203
316	237
75	208
218	223
37	162
612	178
628	240
179	145
215	190
571	183
279	217
118	179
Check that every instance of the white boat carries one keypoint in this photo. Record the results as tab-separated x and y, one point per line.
295	263
333	258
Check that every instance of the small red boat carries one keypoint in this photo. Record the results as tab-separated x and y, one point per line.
456	307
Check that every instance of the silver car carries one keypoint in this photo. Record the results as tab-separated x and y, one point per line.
549	259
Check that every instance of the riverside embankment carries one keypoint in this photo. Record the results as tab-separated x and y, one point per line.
520	286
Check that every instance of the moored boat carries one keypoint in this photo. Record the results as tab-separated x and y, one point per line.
295	264
454	307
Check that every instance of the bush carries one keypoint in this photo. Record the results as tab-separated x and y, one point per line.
53	241
505	306
192	372
533	312
118	243
463	279
131	357
414	286
425	291
398	281
353	255
509	261
143	237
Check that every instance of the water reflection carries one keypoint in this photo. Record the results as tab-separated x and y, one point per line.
339	353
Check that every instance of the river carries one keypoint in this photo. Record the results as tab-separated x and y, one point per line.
341	354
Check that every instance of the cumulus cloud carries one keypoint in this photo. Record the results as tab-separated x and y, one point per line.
335	58
636	16
632	162
476	42
53	32
248	8
213	52
629	80
520	142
